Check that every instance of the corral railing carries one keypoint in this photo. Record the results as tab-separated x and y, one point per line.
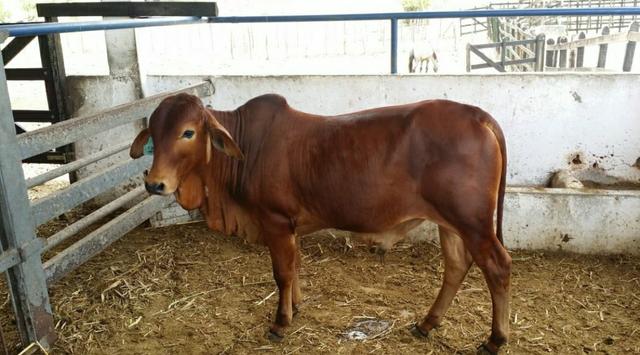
565	55
53	79
527	54
573	23
22	250
392	17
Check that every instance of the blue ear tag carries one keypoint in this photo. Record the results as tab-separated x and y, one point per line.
148	147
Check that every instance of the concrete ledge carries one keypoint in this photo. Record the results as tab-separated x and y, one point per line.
581	221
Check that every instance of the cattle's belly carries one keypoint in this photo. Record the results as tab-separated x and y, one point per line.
387	239
386	215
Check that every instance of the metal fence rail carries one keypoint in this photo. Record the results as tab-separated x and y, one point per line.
392	17
536	54
569	55
81	251
75	165
41	140
26	279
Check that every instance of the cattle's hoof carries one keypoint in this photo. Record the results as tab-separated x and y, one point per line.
419	333
274	336
483	349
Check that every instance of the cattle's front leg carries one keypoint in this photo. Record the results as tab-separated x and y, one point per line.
283	251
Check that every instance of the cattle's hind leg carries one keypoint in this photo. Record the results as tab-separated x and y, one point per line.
494	261
457	261
296	294
283	251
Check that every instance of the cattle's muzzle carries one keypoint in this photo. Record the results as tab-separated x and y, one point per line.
154	188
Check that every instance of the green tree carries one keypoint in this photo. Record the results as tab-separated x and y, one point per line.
415	5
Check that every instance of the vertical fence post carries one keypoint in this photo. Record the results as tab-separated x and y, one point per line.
394	46
631	48
572	58
550	57
539	66
26	281
562	58
503	53
602	54
468	57
580	52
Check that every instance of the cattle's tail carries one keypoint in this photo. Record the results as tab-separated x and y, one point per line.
497	131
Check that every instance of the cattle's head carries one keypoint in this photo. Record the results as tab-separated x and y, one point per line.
180	136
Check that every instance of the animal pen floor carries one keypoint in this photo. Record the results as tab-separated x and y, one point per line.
183	290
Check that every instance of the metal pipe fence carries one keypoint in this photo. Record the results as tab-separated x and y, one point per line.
392	17
21	249
21	257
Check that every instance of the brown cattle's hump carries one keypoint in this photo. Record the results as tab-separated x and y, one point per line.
269	99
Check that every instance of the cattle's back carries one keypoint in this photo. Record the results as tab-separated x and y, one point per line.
349	170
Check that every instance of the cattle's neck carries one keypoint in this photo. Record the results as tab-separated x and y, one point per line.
216	186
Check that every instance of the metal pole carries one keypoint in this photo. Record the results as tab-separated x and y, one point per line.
21	30
38	29
503	53
432	14
468	61
75	165
93	217
540	41
26	281
394	46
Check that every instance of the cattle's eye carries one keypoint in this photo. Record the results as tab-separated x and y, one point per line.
188	134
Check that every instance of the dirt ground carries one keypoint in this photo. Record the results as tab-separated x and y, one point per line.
184	290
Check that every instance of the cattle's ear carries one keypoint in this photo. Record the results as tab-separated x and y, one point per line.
137	148
220	137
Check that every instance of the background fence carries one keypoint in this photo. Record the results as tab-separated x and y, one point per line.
562	54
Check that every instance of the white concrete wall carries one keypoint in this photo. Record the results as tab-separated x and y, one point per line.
548	119
590	221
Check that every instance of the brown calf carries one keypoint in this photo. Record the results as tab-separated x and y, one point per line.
285	173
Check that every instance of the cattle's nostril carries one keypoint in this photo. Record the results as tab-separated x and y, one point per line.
145	173
154	188
151	188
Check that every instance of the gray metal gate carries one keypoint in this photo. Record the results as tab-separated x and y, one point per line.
21	249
